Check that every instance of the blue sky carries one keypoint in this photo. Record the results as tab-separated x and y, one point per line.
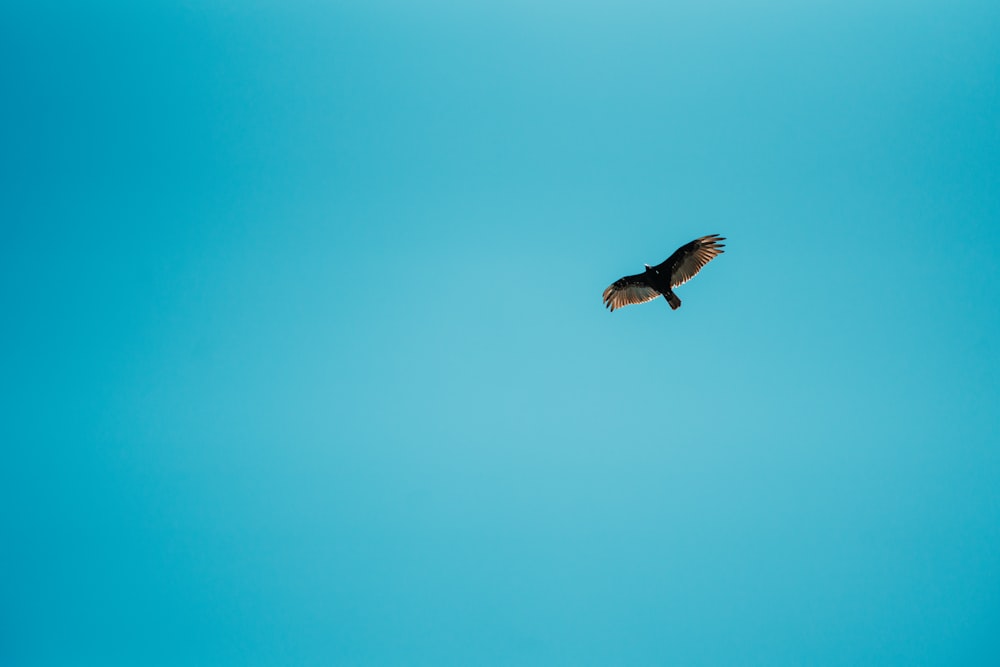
305	362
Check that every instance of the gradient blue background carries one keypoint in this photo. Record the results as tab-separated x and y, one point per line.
304	360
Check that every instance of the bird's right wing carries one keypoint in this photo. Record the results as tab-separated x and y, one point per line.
627	291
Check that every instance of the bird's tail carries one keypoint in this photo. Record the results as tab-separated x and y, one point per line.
672	299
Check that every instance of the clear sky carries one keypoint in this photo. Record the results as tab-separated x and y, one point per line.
304	360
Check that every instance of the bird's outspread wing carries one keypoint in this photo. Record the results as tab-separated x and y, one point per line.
688	260
628	290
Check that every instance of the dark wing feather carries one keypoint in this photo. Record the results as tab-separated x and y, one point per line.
628	290
688	260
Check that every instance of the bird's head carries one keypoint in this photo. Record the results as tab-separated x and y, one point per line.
648	267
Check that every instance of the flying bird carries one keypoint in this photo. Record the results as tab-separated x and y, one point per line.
660	280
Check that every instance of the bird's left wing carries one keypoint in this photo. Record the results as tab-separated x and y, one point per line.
629	290
689	259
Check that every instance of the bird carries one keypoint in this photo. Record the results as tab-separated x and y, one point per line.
660	280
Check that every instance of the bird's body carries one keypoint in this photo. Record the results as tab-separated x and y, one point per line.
661	283
660	280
